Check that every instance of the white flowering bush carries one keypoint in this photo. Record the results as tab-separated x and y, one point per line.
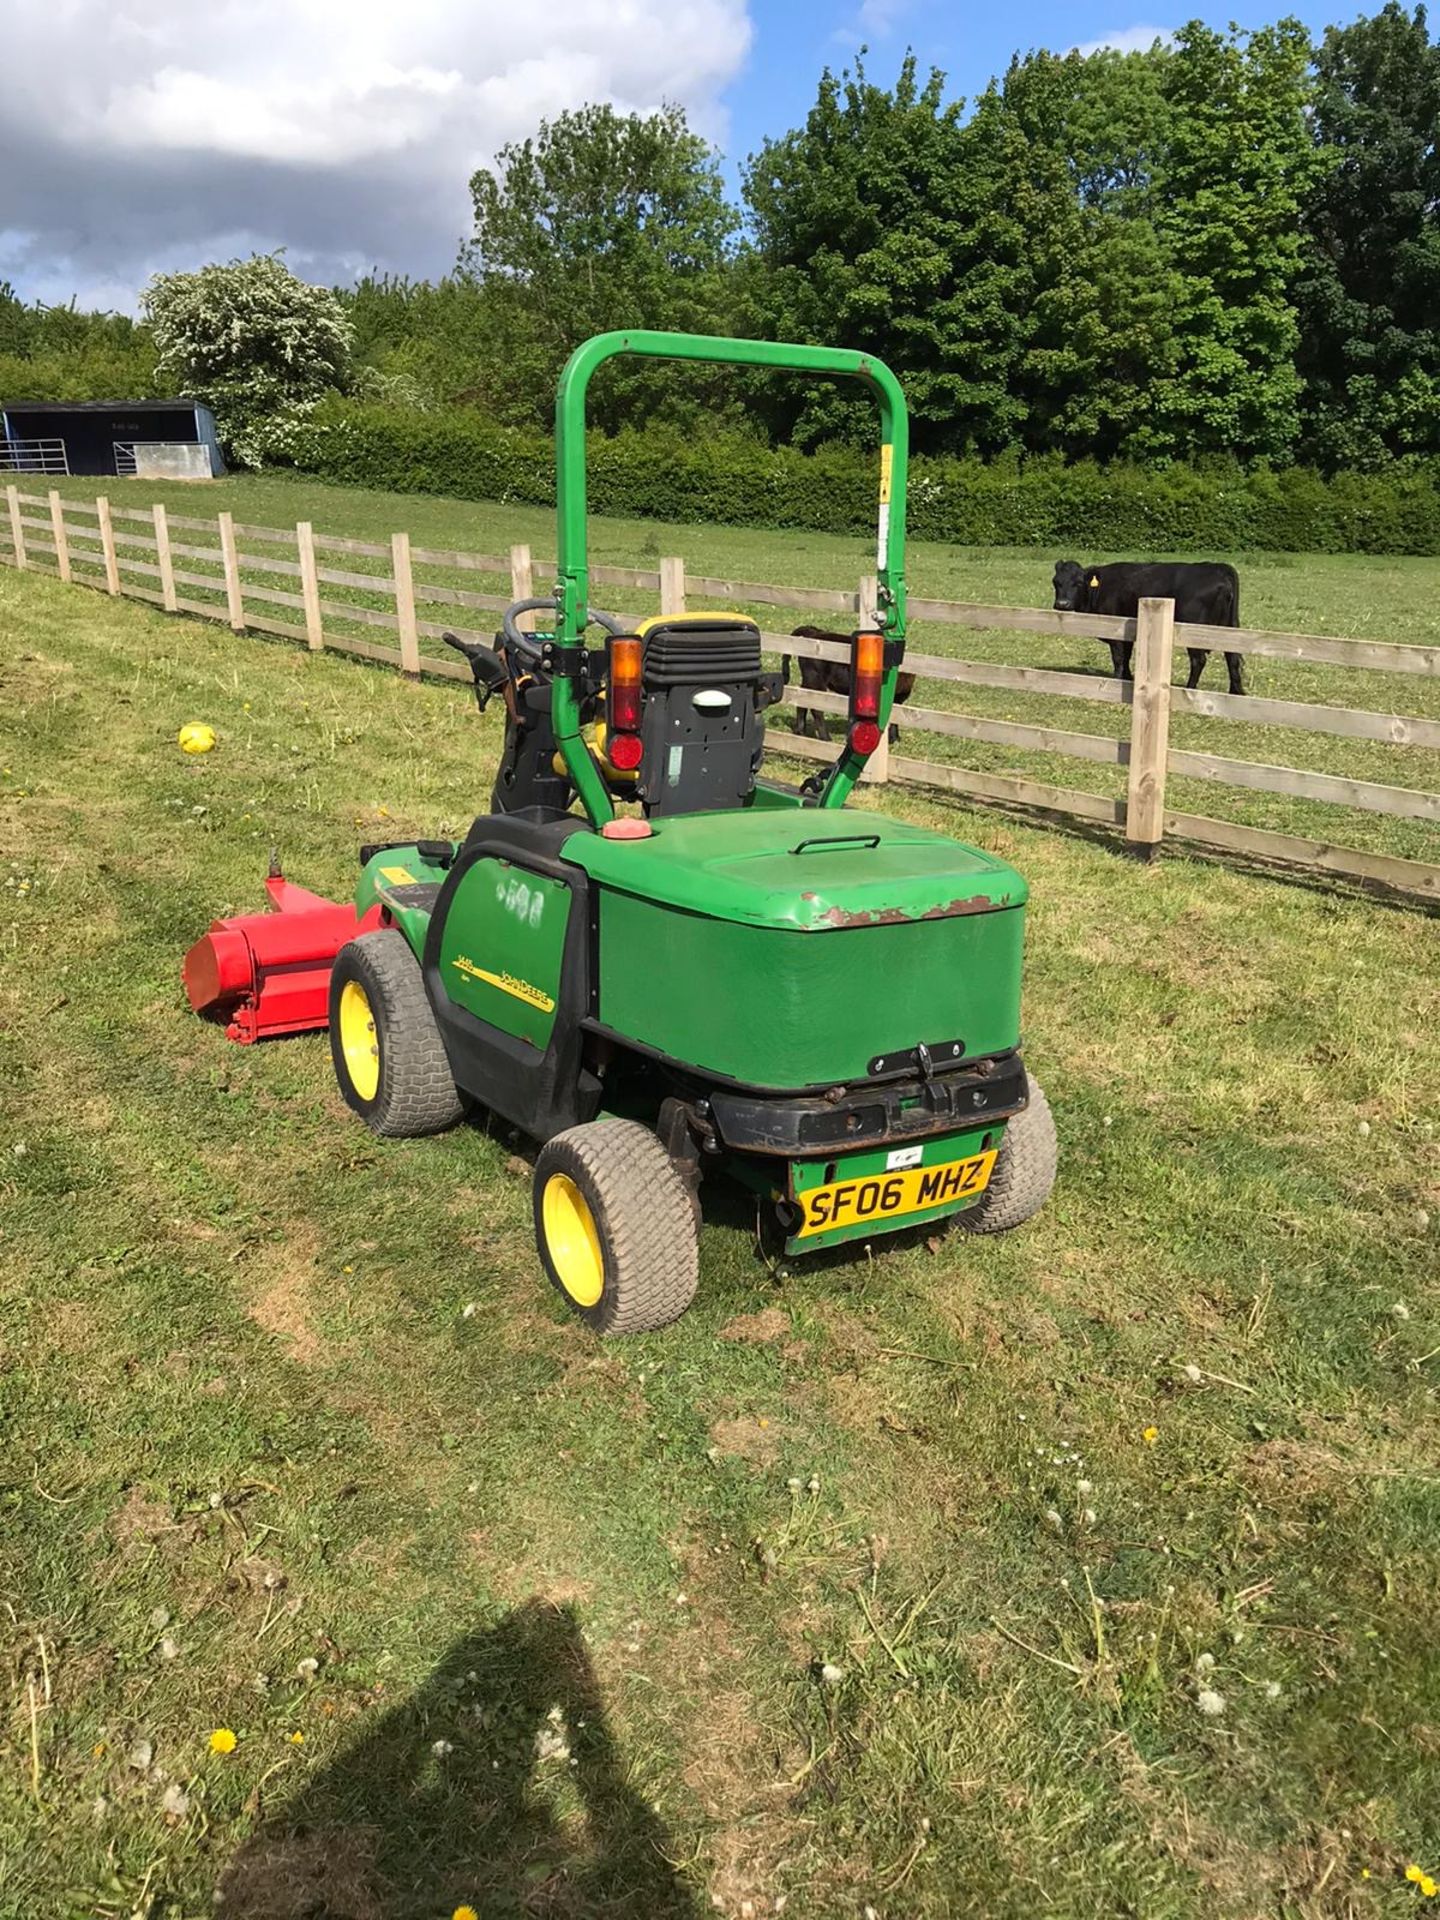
254	343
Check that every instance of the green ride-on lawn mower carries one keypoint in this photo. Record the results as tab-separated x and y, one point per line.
736	974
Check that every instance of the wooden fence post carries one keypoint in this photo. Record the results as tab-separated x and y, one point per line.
57	527
234	598
405	604
17	531
877	767
672	584
163	558
522	584
309	585
1150	725
107	545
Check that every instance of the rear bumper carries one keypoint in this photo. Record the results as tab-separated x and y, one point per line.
873	1114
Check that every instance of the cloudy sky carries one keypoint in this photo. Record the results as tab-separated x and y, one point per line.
143	135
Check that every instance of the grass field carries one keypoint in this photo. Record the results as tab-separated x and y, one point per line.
1117	1538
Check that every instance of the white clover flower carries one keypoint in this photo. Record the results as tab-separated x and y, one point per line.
307	1668
1089	1516
1272	1689
175	1801
140	1755
1053	1518
160	1618
1083	1487
793	1483
1210	1703
831	1675
169	1649
441	1747
1364	1129
1400	1310
812	1485
1204	1663
1193	1374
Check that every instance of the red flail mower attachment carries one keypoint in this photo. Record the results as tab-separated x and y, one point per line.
264	974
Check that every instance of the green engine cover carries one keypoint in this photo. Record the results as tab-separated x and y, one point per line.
502	944
784	948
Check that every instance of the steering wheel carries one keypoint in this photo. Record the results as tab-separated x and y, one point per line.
526	645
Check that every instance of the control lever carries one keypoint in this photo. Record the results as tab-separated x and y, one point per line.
489	670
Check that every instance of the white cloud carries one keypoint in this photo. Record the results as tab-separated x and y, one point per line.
140	135
1126	40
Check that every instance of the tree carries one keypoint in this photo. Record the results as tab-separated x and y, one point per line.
883	223
1239	162
1098	333
252	341
1370	298
601	220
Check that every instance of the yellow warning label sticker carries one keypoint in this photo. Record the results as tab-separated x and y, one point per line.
887	464
398	876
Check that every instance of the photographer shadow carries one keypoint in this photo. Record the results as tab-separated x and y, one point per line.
497	1786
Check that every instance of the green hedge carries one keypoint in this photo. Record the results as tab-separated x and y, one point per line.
738	482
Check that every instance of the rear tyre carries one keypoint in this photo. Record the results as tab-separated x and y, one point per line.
389	1058
1024	1170
616	1227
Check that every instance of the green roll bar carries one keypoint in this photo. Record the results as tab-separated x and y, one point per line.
574	567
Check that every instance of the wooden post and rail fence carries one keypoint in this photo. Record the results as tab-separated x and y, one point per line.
78	541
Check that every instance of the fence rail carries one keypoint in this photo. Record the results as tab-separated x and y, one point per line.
78	541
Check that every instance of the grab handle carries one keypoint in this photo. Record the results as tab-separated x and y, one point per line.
833	840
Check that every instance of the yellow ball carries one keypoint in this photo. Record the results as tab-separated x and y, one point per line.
196	737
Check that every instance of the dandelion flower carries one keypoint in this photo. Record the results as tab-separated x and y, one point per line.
1414	1874
464	1913
1210	1703
222	1740
1428	1887
175	1801
1150	1436
296	1739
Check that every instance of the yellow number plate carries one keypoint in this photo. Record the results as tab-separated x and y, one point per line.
886	1197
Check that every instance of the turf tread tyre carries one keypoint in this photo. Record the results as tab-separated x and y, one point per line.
646	1218
1024	1169
417	1092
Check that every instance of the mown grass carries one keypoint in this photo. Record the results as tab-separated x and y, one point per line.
1396	600
274	1391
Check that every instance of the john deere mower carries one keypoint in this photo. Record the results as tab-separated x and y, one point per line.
730	974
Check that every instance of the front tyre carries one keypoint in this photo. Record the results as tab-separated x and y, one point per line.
389	1058
616	1227
1024	1170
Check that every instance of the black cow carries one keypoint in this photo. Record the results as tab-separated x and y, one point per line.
832	676
1205	593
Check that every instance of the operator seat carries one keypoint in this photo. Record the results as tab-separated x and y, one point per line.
705	691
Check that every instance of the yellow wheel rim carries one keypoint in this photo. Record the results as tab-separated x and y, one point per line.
572	1240
359	1042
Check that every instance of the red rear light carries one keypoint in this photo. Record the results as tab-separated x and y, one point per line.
867	671
624	751
625	687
